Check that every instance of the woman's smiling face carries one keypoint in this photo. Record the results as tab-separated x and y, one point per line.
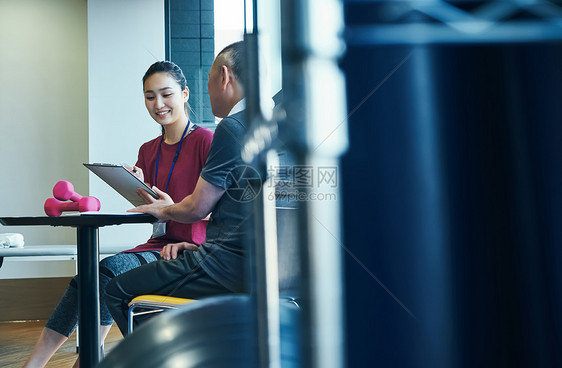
164	99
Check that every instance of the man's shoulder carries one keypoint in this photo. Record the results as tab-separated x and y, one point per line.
239	117
234	122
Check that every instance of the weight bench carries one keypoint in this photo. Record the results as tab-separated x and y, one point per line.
54	250
38	250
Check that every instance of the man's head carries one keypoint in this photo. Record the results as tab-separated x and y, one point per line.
226	78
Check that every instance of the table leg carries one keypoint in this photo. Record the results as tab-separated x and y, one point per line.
88	296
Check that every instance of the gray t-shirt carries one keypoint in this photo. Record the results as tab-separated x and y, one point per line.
223	254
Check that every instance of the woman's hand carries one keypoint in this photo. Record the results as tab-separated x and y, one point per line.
170	251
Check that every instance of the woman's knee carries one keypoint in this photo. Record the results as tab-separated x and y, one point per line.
110	265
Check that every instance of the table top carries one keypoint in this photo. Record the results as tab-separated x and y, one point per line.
97	220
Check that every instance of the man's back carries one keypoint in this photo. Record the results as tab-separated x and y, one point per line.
223	253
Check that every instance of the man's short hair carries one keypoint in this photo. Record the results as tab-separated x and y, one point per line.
234	55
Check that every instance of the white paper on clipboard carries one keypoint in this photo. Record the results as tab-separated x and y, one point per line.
122	180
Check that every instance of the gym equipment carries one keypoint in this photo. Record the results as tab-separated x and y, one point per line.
64	191
54	207
215	332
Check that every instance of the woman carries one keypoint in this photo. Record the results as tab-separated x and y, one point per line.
171	162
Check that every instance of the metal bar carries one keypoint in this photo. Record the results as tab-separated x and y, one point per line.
167	31
266	307
316	133
266	292
88	295
441	34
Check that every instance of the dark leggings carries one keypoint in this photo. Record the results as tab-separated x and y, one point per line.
65	317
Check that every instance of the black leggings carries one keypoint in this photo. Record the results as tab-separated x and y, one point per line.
64	319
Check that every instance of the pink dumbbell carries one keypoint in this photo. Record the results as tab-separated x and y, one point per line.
54	207
64	190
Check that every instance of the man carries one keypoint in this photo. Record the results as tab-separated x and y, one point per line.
218	266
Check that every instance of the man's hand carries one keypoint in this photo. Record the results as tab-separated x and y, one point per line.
154	207
192	208
170	251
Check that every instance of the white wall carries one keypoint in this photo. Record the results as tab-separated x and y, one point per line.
44	104
229	22
124	38
269	29
229	28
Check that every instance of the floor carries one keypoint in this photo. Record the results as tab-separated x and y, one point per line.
18	338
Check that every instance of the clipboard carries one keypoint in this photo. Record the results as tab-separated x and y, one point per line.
122	180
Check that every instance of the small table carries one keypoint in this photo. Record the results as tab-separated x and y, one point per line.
87	226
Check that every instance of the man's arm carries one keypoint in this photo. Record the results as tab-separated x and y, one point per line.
191	209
